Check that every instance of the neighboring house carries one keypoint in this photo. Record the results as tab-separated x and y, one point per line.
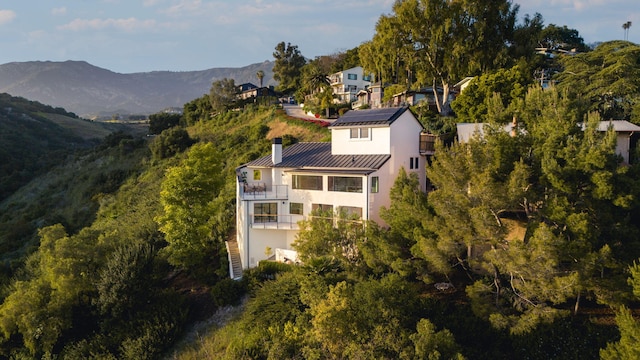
415	97
245	87
462	84
347	83
257	92
249	90
627	134
371	97
352	173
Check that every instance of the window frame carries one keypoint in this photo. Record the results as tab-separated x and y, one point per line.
375	184
262	217
343	184
297	184
298	206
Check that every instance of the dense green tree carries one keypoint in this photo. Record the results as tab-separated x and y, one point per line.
287	67
608	78
223	94
125	281
170	142
472	105
628	347
162	121
196	110
369	319
331	235
387	250
554	38
432	344
563	177
41	307
194	212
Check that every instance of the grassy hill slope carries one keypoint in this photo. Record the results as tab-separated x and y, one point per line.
34	137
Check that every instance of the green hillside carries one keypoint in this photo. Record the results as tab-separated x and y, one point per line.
34	137
78	237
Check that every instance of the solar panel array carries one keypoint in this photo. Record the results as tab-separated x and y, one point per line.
369	117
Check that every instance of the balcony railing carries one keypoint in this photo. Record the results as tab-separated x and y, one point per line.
261	191
428	144
268	221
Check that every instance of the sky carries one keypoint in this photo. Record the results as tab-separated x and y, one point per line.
129	36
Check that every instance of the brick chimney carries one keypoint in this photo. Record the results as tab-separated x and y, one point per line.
276	151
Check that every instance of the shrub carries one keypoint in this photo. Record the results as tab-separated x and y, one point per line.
228	292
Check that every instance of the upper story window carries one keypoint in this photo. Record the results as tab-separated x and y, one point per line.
352	76
345	183
366	78
375	184
257	175
306	182
359	133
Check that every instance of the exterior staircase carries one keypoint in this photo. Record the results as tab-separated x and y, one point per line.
235	263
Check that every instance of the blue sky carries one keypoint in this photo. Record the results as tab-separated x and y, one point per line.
180	35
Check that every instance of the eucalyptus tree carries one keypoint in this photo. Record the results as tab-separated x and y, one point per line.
438	42
223	94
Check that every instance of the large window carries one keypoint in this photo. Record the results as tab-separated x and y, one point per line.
307	182
296	208
316	208
359	133
345	183
352	76
257	175
352	212
265	212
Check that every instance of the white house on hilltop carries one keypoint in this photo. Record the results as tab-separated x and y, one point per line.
347	83
352	173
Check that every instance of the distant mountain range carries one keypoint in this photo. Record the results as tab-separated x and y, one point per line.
89	91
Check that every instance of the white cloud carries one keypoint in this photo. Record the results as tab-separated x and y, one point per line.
129	24
6	16
59	11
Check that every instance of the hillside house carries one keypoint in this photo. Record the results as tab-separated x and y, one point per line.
423	96
346	84
370	96
352	173
249	91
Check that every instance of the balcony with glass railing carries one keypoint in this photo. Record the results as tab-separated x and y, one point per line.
276	222
262	191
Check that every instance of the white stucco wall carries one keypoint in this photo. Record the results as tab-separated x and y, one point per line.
377	143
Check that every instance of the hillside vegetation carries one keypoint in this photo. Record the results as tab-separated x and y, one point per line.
86	269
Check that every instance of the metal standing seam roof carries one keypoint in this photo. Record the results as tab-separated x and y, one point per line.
317	156
382	116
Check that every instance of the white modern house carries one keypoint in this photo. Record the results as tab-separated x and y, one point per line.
352	173
347	83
